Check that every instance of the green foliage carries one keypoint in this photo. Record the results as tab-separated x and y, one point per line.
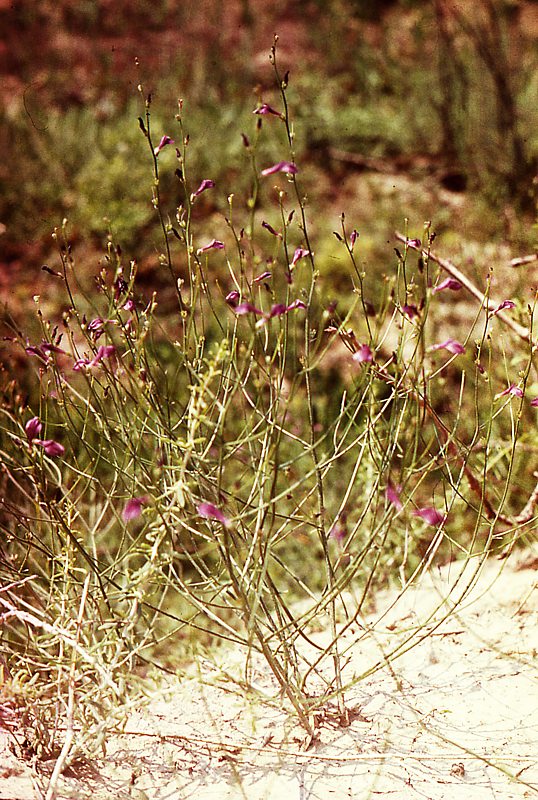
333	114
74	165
110	176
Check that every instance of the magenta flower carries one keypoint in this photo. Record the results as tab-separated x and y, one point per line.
262	277
96	328
267	109
129	306
247	308
232	297
299	253
279	308
133	508
513	389
34	350
271	229
502	306
283	166
338	533
393	496
103	351
296	304
33	428
410	310
47	347
448	283
96	325
431	516
214	244
353	238
534	402
43	350
164	141
206	184
209	511
363	354
414	242
451	345
50	447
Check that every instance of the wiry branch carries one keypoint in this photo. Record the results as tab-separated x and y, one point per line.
529	510
451	269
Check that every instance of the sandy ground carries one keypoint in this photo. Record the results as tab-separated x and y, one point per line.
455	716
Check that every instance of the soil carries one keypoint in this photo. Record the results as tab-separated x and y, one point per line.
455	716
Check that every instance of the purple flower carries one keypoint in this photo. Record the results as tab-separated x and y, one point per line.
103	351
50	447
393	496
283	166
410	311
413	242
80	363
164	141
232	297
338	533
534	402
214	244
299	253
247	308
296	304
209	511
47	347
448	283
129	306
267	109
206	184
33	350
33	428
43	350
133	508
431	516
271	229
262	277
502	306
451	345
513	389
279	308
363	354
96	328
353	238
